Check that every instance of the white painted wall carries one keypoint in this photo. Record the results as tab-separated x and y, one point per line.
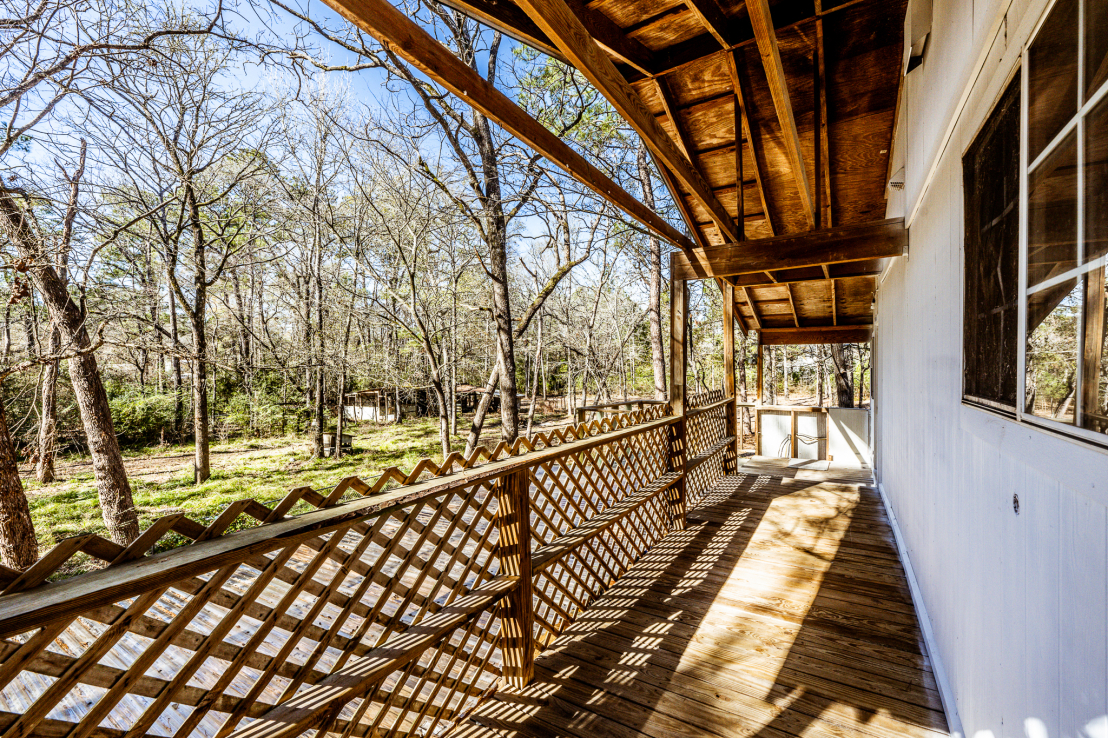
1018	604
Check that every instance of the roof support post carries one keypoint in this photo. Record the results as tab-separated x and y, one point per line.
730	460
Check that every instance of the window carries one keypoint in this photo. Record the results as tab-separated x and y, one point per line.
1063	378
991	175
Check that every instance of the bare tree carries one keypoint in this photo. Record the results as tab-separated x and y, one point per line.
654	281
202	146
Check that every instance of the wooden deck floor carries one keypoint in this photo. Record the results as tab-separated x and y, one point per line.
782	610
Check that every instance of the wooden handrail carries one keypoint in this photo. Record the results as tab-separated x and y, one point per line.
708	408
34	608
621	403
715	448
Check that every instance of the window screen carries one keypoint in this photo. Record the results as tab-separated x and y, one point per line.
991	174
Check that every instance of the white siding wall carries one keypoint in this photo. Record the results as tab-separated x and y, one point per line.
1018	604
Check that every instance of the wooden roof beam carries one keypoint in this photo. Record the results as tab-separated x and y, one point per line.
713	20
738	83
669	104
679	201
766	38
695	50
792	304
753	309
509	20
815	334
566	30
758	279
880	240
612	38
388	25
823	148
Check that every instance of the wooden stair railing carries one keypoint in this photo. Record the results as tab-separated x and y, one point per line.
385	608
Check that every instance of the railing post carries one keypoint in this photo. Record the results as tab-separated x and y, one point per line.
678	366
676	497
731	458
517	609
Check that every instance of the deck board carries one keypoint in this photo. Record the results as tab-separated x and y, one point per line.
781	611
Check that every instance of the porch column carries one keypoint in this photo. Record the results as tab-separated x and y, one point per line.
678	364
758	400
730	460
678	361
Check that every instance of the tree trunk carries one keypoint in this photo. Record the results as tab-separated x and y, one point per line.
116	503
340	420
201	431
178	375
654	304
535	379
844	374
48	425
18	546
482	409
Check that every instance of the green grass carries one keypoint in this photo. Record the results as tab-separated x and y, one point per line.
71	507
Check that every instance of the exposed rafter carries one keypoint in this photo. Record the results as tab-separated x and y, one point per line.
713	20
567	31
682	206
738	82
823	148
847	270
792	304
669	104
612	38
387	24
509	20
753	308
766	37
880	240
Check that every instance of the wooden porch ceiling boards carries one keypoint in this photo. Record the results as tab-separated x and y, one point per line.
767	117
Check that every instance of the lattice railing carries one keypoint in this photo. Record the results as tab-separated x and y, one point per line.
388	609
710	441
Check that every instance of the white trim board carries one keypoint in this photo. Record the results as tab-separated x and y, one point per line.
946	692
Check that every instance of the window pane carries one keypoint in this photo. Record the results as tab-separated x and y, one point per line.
1052	214
1094	392
1052	83
1096	181
990	338
1053	315
1096	45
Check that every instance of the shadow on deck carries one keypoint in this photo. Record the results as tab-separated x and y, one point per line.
781	610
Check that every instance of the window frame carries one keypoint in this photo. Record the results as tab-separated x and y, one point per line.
1075	126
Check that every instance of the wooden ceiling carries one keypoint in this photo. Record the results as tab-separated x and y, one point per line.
810	91
765	118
